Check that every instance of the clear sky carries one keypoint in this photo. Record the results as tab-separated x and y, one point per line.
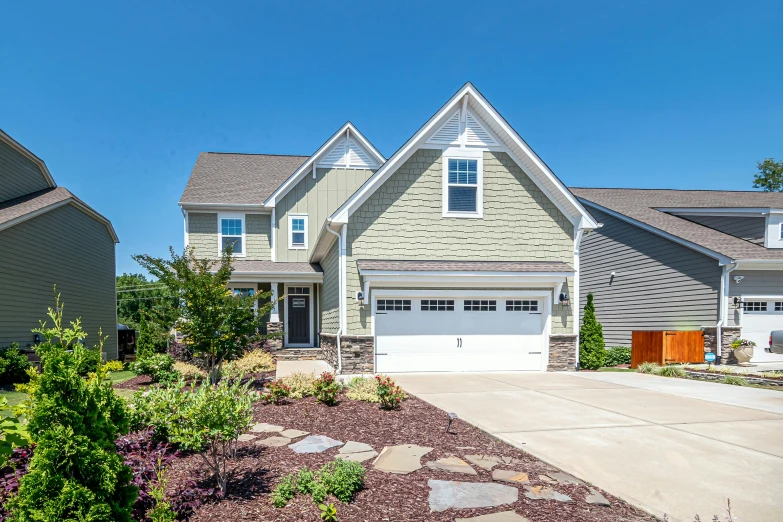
119	97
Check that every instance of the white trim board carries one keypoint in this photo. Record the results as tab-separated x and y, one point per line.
231	215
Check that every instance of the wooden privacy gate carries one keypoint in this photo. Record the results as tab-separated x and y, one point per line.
666	347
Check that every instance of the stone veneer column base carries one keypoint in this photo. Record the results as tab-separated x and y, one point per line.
728	335
277	343
562	353
358	352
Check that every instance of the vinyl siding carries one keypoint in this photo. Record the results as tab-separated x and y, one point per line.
768	283
202	234
63	247
19	175
658	284
318	198
330	291
257	237
403	220
748	228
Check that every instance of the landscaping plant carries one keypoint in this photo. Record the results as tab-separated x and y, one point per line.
277	392
328	513
648	367
300	384
13	365
75	472
735	380
671	371
617	355
113	366
363	389
389	394
326	389
742	343
162	511
12	433
255	361
159	408
216	323
340	478
159	366
189	372
591	339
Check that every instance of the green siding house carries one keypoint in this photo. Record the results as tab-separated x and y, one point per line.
460	252
50	237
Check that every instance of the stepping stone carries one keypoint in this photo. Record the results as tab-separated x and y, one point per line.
402	459
263	427
294	434
274	442
356	457
453	465
545	493
445	495
596	498
507	475
559	477
503	516
356	447
315	444
484	461
511	460
245	437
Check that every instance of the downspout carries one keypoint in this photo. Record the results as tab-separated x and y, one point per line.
575	298
185	226
340	302
724	307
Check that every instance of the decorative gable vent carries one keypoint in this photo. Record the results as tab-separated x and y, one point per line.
448	134
476	134
350	155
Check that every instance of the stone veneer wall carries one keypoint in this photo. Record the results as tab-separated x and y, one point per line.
728	336
358	353
277	343
562	353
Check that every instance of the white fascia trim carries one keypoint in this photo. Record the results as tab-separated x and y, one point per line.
720	211
70	201
323	243
722	260
231	215
417	141
275	277
21	149
311	162
217	207
485	279
760	264
386	292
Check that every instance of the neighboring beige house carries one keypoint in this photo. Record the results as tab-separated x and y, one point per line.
458	253
50	237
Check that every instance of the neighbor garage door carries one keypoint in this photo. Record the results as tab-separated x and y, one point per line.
456	334
760	317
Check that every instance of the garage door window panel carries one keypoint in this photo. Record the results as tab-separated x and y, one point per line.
393	305
480	305
437	305
756	306
521	306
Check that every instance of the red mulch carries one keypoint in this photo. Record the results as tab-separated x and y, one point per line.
385	497
140	382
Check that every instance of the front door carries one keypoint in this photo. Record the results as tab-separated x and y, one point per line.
298	319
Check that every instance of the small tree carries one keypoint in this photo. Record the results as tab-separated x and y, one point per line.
75	472
592	352
216	324
769	176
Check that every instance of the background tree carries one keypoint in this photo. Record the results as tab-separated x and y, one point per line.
148	307
216	323
769	176
592	351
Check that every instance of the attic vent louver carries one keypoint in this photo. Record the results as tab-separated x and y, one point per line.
448	134
476	134
353	156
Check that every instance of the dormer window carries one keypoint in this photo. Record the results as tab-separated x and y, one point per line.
462	186
232	232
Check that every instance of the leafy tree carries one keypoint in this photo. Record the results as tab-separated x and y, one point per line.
75	473
591	339
216	324
146	306
769	176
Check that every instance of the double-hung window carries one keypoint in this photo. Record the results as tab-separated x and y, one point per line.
232	233
297	231
462	186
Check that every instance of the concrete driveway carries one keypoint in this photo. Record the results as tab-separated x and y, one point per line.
666	445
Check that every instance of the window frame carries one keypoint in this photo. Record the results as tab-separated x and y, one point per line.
477	305
762	307
437	305
231	215
291	218
523	305
391	304
463	154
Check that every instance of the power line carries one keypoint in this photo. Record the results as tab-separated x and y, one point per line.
146	298
142	289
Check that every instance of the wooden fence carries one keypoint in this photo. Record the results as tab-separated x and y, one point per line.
666	347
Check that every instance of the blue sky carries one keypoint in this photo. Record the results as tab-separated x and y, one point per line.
119	98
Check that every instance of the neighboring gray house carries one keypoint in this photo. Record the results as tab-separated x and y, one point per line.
686	259
458	253
50	237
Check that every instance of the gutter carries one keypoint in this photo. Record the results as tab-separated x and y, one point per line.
724	306
340	297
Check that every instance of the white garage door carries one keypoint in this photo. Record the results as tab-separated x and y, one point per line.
760	317
451	334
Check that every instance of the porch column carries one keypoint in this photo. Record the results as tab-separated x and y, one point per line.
274	316
274	327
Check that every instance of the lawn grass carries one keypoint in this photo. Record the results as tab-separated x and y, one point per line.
118	377
15	398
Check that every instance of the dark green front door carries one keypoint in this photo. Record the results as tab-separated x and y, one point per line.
299	319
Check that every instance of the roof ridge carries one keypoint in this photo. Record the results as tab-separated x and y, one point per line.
257	154
679	190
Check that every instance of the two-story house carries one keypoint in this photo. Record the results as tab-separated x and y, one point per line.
460	252
686	259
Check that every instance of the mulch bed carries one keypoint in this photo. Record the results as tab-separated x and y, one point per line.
140	382
386	497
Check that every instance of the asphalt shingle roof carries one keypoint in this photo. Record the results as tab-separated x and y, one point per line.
463	266
23	205
249	265
643	204
238	178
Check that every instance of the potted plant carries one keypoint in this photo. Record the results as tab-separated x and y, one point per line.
743	351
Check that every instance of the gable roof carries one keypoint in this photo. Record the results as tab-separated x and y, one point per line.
346	137
32	157
472	101
237	179
19	210
643	207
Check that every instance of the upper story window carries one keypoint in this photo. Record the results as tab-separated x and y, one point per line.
297	231
462	186
232	232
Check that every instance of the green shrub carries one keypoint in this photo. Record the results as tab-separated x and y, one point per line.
671	371
277	392
363	389
591	339
389	394
158	407
13	365
12	433
328	513
326	389
648	367
162	511
735	380
89	361
340	478
189	372
159	366
114	366
284	491
256	361
617	355
75	472
300	384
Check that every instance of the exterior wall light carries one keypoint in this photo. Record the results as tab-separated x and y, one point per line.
360	297
564	299
738	303
37	338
